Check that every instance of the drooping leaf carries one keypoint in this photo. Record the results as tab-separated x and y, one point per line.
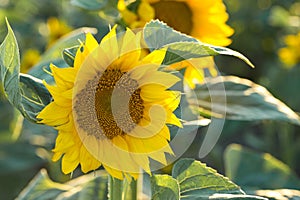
254	170
89	186
25	92
90	4
239	99
180	46
194	180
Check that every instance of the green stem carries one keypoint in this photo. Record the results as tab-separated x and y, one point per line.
131	190
122	190
115	188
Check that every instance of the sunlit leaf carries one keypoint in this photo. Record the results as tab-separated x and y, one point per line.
241	99
180	46
164	187
25	92
194	180
257	170
198	180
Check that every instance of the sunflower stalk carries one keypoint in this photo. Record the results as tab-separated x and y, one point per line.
122	190
115	188
130	189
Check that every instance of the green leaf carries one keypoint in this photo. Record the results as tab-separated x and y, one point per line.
90	4
35	96
55	53
242	100
193	180
158	34
10	66
85	187
164	187
257	170
69	55
198	180
25	92
180	46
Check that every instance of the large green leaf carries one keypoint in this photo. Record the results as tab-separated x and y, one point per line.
89	186
241	99
25	92
194	180
10	66
257	170
198	180
180	46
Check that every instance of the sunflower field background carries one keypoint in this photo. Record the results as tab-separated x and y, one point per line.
259	153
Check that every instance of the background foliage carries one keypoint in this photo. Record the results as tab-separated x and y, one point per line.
25	148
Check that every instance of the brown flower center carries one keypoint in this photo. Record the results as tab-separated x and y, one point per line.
118	104
176	14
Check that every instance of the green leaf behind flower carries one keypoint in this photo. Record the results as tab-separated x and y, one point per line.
257	170
181	46
194	180
25	92
241	99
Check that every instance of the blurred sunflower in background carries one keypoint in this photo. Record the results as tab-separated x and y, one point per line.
56	29
290	54
112	107
29	59
204	20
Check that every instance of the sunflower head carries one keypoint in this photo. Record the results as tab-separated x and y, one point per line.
112	107
205	20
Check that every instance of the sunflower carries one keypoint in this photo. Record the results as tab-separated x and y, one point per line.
289	54
205	20
112	108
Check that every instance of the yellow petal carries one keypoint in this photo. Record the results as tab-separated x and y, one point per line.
68	166
115	173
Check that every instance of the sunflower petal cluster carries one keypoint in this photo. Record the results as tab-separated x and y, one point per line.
290	54
112	107
205	20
